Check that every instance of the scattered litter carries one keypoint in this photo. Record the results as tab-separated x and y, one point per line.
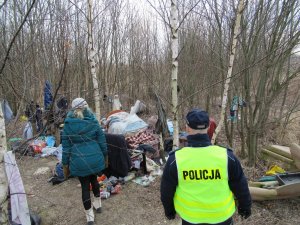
56	151
42	170
50	140
151	165
37	145
104	194
274	170
144	180
129	177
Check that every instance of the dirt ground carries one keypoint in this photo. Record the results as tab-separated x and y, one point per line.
135	205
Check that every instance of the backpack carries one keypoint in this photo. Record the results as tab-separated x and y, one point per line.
58	174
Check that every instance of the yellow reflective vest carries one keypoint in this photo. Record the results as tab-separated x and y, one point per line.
203	194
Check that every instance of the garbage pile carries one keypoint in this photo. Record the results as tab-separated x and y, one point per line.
279	183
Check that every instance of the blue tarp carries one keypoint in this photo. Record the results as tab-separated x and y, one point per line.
47	95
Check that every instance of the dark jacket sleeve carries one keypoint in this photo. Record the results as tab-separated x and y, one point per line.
168	185
102	140
238	182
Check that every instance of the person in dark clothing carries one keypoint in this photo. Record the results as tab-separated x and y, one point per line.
199	180
39	118
30	112
62	103
119	162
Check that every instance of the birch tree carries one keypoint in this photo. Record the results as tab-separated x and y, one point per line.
3	179
174	73
240	9
92	61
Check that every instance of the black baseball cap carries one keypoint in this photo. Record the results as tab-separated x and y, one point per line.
197	119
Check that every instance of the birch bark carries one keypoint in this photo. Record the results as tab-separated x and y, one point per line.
92	61
240	9
174	74
3	178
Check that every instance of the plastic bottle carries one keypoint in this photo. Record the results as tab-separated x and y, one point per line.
104	194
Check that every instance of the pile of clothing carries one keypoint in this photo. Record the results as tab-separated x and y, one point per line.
143	137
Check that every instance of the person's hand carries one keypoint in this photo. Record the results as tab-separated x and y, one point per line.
244	213
66	171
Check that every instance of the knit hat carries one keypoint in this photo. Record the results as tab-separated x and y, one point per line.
79	103
197	119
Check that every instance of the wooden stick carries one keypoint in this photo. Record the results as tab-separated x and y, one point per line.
295	151
277	156
281	150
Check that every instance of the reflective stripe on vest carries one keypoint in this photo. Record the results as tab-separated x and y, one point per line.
203	194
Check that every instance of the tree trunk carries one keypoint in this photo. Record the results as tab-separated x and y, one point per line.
252	146
174	49
92	61
3	178
242	134
240	9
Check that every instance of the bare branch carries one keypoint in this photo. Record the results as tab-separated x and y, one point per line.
3	4
15	36
190	10
163	18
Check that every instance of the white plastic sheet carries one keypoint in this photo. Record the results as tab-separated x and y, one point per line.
19	206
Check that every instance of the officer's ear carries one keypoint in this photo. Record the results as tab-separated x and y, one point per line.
187	128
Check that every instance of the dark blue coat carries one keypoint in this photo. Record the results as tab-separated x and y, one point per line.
84	145
236	178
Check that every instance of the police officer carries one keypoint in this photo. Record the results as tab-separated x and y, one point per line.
200	181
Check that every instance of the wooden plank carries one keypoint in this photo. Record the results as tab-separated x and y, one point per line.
277	156
263	184
295	151
3	178
260	194
289	190
280	192
281	150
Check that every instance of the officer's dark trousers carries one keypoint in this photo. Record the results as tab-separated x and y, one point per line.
227	222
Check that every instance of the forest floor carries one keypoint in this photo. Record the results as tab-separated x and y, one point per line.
135	205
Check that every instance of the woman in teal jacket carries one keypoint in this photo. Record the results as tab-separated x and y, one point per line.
84	152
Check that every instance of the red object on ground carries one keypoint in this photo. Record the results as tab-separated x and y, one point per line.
37	146
101	178
116	189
